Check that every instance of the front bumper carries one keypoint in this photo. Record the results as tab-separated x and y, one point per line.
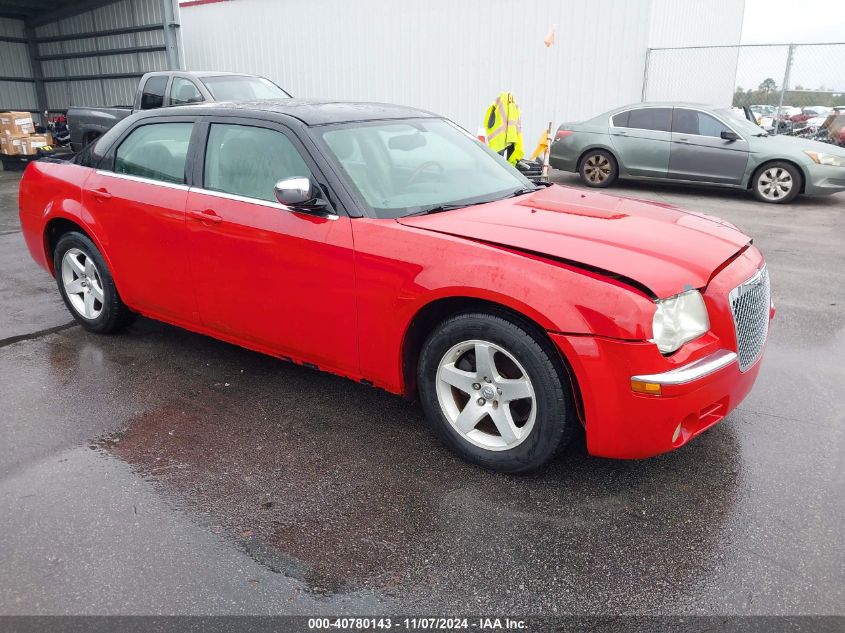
824	180
699	385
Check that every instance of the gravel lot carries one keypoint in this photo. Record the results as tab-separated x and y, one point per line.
160	472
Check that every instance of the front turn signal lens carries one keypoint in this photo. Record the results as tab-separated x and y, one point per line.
650	388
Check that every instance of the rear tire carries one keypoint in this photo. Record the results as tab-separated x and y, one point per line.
511	412
777	182
598	168
87	287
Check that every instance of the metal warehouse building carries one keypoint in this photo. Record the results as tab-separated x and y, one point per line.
58	53
453	57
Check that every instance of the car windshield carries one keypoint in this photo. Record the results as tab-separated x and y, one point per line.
740	123
416	166
242	88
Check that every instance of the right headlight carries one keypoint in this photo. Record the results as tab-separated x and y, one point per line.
826	159
678	320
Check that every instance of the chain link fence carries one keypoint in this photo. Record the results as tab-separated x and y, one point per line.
794	89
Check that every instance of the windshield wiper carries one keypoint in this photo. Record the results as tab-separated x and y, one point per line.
451	207
445	207
521	192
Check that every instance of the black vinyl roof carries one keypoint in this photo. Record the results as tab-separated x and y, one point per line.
309	111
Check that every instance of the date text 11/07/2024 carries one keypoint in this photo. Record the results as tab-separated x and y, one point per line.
413	624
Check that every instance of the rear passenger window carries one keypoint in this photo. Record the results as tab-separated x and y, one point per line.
157	151
153	95
249	161
658	119
621	119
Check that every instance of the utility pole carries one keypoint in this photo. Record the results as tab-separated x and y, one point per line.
645	75
789	56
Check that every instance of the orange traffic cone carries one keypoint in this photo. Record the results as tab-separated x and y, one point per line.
481	135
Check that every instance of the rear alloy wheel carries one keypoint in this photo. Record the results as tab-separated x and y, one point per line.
494	393
86	285
598	169
777	183
82	283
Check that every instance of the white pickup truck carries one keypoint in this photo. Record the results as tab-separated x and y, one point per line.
167	88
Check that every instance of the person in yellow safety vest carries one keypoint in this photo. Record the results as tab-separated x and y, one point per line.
503	125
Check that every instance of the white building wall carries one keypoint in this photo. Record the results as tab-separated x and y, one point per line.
450	57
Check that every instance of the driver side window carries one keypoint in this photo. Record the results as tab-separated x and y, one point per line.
249	161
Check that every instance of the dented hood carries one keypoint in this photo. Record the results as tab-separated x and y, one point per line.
659	246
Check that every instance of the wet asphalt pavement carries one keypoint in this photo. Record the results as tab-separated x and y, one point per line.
162	472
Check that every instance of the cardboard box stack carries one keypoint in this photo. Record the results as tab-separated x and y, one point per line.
17	135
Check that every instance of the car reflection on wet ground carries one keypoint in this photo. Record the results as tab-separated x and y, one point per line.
159	471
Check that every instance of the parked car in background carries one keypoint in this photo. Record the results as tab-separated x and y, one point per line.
695	144
388	245
764	110
169	88
815	111
789	111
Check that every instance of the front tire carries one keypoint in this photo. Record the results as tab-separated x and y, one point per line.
495	393
777	183
598	168
86	285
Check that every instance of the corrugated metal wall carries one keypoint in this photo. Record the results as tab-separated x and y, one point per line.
14	62
101	92
450	57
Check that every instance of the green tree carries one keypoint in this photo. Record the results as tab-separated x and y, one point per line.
768	87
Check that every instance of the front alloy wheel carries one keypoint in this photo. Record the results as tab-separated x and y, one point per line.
486	395
496	391
777	182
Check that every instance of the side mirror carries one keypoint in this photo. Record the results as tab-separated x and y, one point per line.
300	194
729	135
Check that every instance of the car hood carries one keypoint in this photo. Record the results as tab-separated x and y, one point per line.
658	246
782	144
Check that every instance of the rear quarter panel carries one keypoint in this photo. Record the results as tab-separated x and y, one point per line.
565	152
49	191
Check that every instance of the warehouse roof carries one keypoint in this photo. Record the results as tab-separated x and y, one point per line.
47	10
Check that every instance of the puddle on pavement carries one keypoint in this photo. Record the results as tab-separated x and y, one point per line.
343	487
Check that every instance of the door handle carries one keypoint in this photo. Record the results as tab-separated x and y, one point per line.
682	140
206	216
100	194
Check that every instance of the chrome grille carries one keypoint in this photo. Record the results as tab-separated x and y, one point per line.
750	305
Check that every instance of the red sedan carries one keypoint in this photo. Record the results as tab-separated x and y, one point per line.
387	245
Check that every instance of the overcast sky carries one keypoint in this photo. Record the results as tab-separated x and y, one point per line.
798	21
784	21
